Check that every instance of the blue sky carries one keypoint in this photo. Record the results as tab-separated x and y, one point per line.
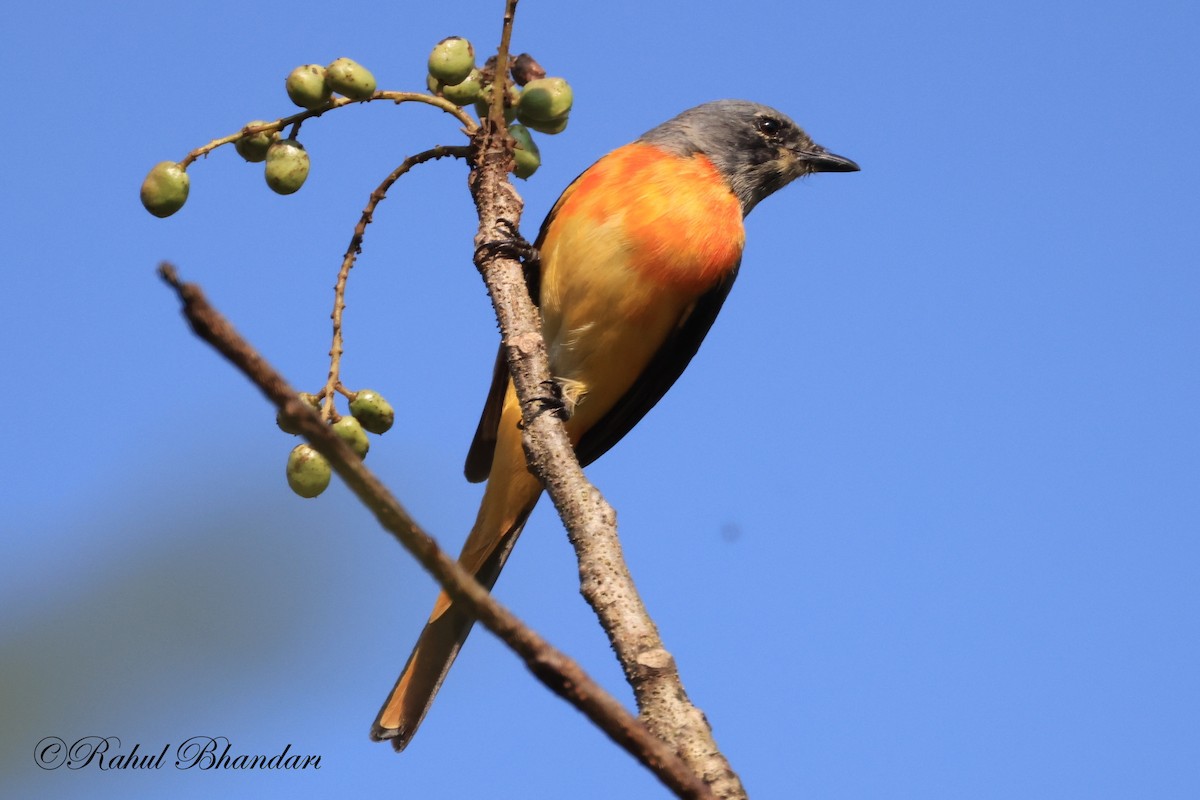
921	519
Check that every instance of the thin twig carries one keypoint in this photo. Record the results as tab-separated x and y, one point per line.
469	124
556	670
333	382
500	81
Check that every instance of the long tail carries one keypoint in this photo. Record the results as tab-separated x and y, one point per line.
511	494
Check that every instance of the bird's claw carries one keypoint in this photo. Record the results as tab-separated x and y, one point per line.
514	246
553	403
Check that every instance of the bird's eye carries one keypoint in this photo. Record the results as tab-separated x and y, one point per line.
770	126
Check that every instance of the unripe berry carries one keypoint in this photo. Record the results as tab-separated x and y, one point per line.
350	79
551	128
526	157
308	472
452	60
165	189
468	91
254	148
375	413
287	166
350	431
307	86
545	100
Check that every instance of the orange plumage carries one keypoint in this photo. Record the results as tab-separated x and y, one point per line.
680	222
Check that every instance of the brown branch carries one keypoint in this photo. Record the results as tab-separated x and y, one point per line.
606	582
333	382
558	672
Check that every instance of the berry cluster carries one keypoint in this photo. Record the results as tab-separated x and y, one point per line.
308	472
311	87
531	100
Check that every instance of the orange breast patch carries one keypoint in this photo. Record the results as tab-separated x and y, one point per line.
679	221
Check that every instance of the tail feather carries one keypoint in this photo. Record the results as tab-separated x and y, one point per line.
427	666
511	494
434	653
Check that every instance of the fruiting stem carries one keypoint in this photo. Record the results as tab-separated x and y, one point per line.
500	78
337	102
333	382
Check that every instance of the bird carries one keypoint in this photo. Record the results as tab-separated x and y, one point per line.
633	263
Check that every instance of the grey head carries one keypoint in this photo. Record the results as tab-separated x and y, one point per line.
757	149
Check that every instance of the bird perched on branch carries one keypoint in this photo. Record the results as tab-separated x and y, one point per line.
636	259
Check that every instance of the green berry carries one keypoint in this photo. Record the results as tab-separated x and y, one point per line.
551	128
287	166
254	147
350	431
545	100
305	397
165	189
468	90
452	60
307	86
308	472
375	413
350	79
526	157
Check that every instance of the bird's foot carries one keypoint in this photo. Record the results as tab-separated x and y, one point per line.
514	246
556	401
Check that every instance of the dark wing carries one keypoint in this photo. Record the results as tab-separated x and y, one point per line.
660	374
483	446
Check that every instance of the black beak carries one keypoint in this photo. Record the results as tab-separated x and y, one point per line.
821	160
